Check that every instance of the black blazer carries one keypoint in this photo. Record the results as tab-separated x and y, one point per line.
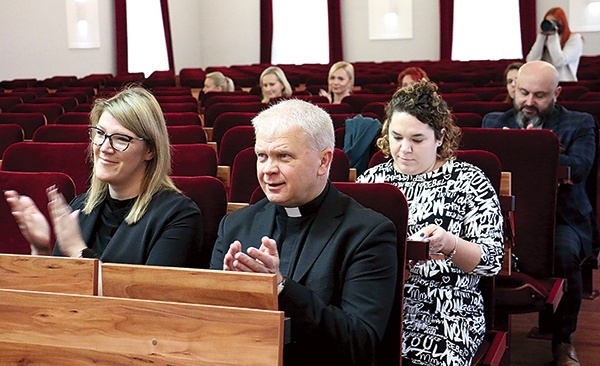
340	294
169	233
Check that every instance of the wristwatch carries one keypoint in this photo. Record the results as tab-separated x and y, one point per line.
280	286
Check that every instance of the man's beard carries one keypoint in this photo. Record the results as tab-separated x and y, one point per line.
536	121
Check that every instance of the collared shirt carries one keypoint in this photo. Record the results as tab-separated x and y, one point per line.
291	229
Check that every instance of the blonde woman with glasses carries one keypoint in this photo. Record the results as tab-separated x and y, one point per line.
132	212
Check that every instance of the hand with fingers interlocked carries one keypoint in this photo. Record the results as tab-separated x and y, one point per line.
262	260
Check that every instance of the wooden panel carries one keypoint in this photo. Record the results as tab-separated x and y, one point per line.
196	286
50	274
48	328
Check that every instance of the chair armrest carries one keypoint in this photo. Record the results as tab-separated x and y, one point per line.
498	346
563	174
556	293
224	174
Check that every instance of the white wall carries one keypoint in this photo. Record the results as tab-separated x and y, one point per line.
34	43
423	46
33	36
591	40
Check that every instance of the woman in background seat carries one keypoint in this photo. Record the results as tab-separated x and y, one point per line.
410	76
217	82
274	84
340	82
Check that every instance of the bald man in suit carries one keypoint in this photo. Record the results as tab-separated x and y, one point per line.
576	233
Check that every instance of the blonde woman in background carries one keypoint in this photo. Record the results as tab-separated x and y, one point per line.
217	82
274	84
340	82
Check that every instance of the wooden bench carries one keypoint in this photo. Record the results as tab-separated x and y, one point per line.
53	314
197	286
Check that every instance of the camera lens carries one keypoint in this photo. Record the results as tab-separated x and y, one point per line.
548	26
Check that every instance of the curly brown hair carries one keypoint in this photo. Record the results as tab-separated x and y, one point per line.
424	103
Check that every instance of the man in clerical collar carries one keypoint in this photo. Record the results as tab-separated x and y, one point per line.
335	260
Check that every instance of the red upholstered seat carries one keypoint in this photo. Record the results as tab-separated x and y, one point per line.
358	101
189	98
243	176
229	97
182	118
50	110
481	107
33	185
70	158
227	120
340	166
236	139
192	77
572	92
179	107
67	102
530	155
213	111
484	92
9	134
210	195
29	122
160	78
73	118
61	133
455	97
193	160
336	108
190	134
377	108
7	102
467	119
171	90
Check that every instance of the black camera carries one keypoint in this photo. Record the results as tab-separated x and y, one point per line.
550	26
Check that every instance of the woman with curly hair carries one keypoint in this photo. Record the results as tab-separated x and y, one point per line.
453	205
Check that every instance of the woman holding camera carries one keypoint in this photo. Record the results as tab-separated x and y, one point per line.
557	45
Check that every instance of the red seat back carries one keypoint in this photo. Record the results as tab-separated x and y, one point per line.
61	133
193	160
210	195
70	158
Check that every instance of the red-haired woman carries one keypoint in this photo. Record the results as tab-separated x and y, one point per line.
410	76
557	45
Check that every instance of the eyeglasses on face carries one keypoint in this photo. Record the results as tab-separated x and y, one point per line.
118	141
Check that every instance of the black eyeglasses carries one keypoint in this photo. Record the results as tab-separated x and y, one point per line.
118	141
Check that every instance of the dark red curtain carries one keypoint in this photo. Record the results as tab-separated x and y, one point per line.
266	31
528	27
446	28
121	35
164	6
335	30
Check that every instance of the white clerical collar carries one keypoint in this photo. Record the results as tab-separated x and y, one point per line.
293	211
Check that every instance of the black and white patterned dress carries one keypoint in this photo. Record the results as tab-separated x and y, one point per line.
443	309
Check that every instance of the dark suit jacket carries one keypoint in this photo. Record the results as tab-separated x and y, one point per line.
340	294
169	234
576	135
